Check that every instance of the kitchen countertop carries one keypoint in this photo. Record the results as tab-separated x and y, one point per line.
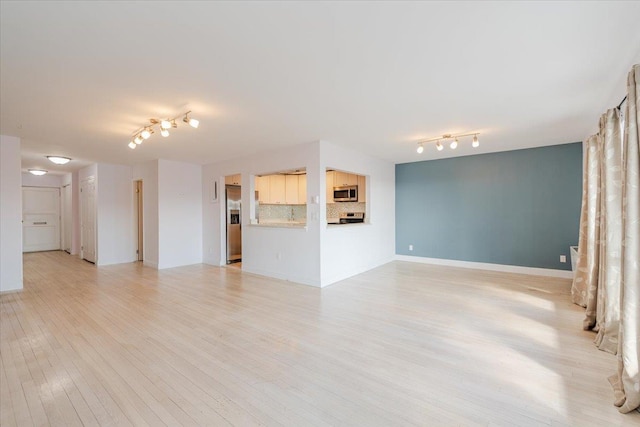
281	223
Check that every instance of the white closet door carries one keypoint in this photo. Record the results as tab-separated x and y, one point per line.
88	219
40	219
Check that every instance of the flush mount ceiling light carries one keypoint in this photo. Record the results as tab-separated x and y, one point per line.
59	160
146	131
37	172
454	141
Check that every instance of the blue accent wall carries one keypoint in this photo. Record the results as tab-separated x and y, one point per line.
516	207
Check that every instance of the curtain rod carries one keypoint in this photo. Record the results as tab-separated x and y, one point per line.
622	102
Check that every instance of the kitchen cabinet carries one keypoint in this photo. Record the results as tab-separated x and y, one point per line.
302	189
362	188
330	180
291	189
277	189
343	179
263	187
233	179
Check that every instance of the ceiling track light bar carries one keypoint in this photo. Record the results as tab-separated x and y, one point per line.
454	143
146	131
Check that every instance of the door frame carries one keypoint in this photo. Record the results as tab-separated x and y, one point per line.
83	183
138	219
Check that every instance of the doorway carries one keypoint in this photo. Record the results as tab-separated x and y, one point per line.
233	214
138	223
40	219
67	218
88	219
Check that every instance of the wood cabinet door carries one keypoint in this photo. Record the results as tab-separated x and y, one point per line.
291	189
232	179
362	188
278	189
330	181
302	189
264	190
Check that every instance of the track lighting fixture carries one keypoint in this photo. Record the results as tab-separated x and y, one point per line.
37	172
59	160
145	132
453	144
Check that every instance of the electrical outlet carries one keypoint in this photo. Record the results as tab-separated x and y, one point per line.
563	258
410	247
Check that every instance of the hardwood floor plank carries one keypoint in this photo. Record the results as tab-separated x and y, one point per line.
403	344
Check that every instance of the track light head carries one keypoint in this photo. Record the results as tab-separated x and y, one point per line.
475	142
165	124
454	144
146	133
138	139
439	146
420	148
132	145
191	121
164	132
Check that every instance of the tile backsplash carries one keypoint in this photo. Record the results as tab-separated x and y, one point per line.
269	212
272	212
335	209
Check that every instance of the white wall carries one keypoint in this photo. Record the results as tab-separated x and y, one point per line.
10	214
352	249
48	180
286	253
114	212
179	214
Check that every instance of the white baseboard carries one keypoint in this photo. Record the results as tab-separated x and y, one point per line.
486	266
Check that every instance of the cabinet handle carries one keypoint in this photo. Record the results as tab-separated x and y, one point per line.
40	223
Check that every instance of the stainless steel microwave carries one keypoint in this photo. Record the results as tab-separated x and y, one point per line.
345	194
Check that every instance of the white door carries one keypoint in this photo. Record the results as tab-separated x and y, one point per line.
66	218
40	219
88	219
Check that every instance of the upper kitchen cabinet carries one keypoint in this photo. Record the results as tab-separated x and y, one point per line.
344	179
283	188
362	188
330	179
302	189
263	185
278	190
233	179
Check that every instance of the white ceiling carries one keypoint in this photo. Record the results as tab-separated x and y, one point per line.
78	78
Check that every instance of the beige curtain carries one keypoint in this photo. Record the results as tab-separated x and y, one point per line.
596	283
607	277
585	279
603	311
626	383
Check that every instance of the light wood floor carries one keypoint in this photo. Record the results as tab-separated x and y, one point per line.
404	344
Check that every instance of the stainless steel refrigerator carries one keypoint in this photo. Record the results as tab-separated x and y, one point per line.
234	230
